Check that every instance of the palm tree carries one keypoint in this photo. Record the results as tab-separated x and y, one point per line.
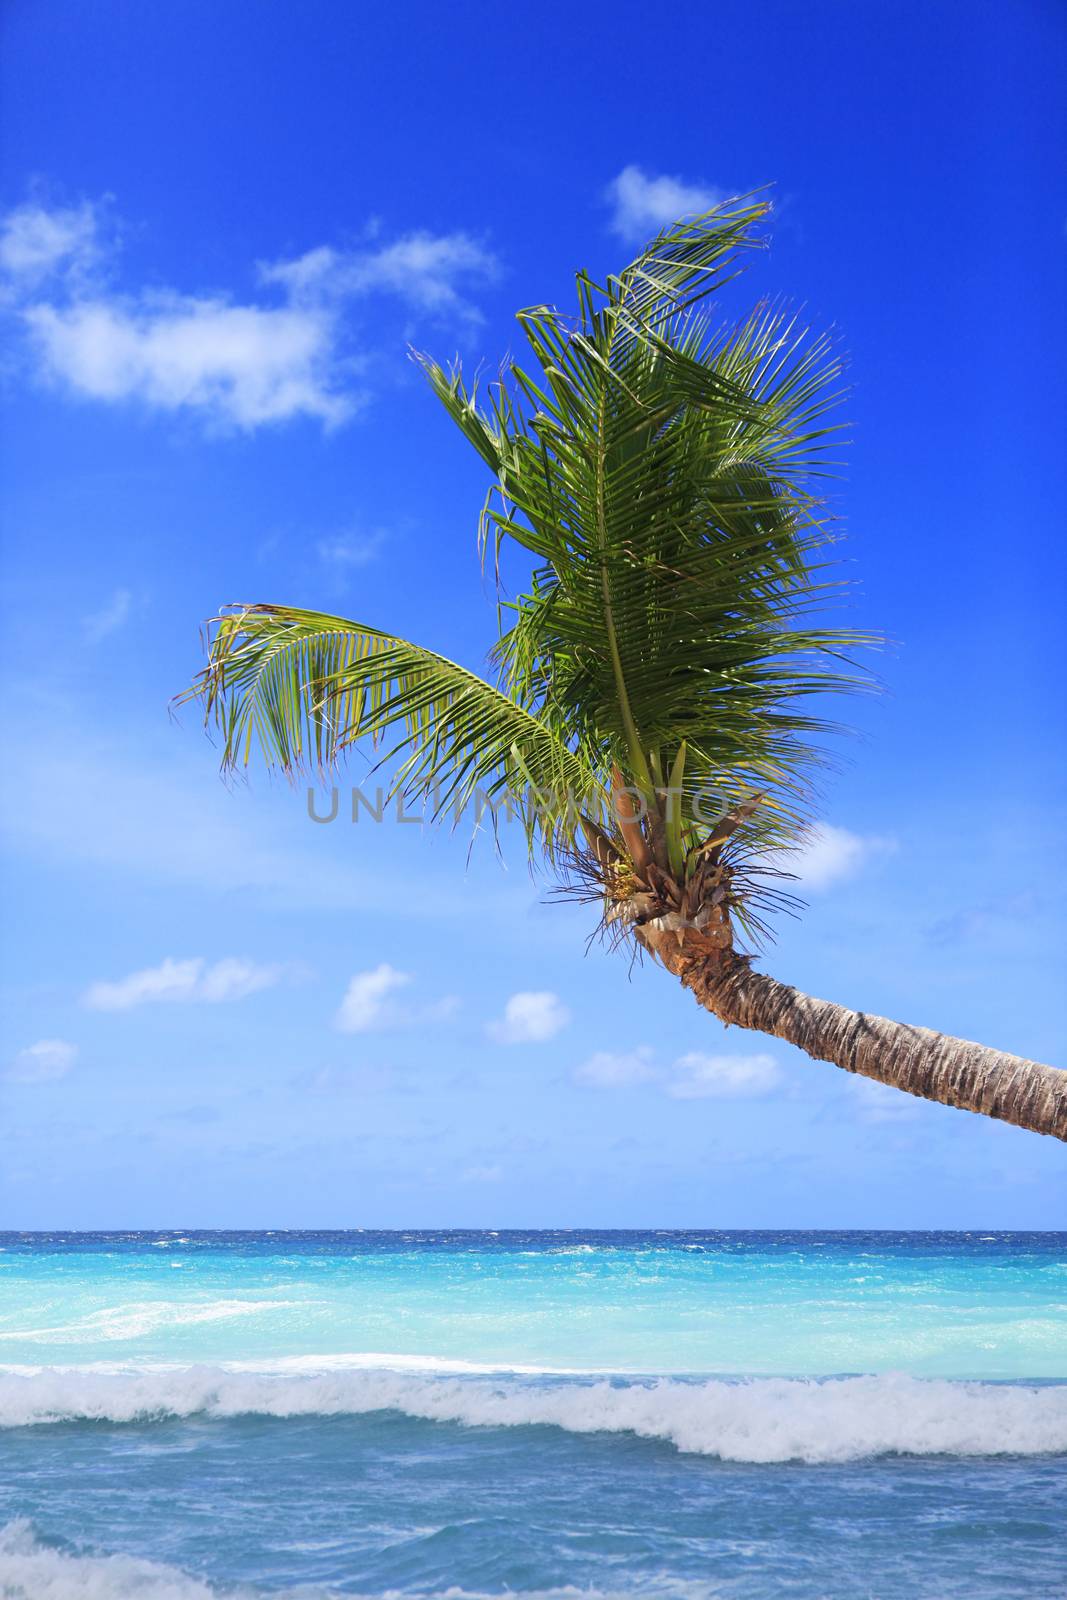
654	708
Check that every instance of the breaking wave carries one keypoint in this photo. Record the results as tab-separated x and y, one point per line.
751	1420
30	1569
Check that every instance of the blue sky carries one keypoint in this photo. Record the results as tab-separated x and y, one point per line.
223	224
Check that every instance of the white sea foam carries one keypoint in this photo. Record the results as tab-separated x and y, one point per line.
141	1317
30	1570
382	1361
756	1420
33	1570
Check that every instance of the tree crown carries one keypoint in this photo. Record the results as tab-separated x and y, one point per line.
653	700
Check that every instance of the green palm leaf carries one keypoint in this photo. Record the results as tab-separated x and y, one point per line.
304	687
661	472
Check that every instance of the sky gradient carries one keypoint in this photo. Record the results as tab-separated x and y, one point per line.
223	226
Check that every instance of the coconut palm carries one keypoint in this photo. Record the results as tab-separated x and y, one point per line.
655	706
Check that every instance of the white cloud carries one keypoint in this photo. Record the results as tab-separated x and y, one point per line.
876	1102
36	242
608	1070
366	1004
242	365
192	980
109	617
691	1077
236	364
426	270
47	1059
643	204
831	855
233	979
701	1077
530	1017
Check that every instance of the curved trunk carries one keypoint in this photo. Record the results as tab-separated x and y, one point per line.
917	1060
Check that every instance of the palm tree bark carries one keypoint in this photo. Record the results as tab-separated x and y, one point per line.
934	1066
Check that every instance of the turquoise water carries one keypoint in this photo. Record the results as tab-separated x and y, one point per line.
186	1416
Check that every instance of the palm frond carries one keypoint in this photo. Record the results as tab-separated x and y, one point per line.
657	714
304	687
662	473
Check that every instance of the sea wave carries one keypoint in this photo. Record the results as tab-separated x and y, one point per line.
31	1569
752	1420
142	1317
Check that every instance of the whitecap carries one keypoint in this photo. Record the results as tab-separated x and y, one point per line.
30	1569
132	1320
755	1420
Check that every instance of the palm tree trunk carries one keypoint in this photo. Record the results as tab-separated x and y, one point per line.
917	1060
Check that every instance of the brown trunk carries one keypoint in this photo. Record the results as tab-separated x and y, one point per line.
917	1060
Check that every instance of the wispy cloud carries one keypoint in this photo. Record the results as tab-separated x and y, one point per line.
833	855
879	1102
45	1060
428	271
191	980
370	1005
701	1077
693	1076
362	1078
613	1070
240	363
133	819
110	617
342	552
367	1004
530	1017
643	203
37	242
987	920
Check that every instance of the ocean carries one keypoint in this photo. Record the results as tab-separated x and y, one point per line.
819	1416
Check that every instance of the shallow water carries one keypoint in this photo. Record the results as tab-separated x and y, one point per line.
659	1414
